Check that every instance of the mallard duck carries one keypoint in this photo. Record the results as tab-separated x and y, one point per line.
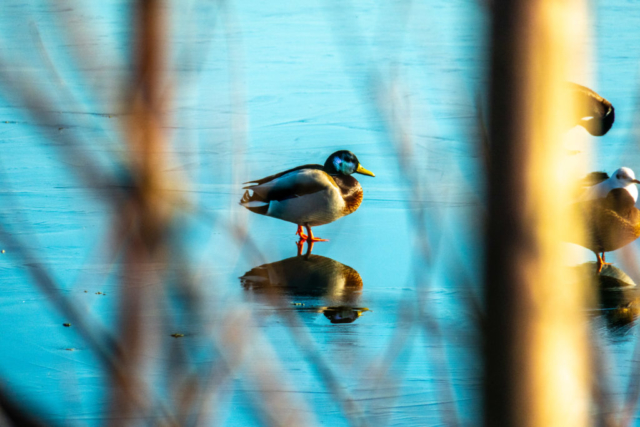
610	223
309	195
593	112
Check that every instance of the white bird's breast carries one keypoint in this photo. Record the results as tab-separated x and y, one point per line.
601	190
633	190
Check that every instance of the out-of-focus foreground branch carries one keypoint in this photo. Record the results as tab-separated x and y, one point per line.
535	340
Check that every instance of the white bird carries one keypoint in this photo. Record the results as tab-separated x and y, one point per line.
621	178
610	216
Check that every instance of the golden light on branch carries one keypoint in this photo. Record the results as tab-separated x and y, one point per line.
536	339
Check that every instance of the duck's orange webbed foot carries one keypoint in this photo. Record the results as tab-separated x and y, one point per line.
311	239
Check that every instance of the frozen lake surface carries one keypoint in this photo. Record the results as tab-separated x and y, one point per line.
386	306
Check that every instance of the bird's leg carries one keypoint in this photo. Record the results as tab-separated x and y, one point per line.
312	239
601	262
309	238
309	249
300	233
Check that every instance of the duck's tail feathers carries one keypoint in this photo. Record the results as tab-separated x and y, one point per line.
252	201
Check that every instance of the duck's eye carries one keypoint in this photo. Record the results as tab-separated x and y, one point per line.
618	176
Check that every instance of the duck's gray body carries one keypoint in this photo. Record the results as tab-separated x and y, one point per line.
305	196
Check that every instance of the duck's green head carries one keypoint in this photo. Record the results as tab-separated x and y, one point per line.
344	162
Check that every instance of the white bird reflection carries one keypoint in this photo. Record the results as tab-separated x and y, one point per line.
617	296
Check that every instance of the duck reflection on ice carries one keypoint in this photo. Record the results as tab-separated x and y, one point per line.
343	314
334	288
618	299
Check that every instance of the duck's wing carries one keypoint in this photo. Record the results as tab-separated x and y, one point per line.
593	112
294	183
278	175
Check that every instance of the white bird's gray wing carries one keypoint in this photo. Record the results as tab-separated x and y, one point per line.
598	191
594	178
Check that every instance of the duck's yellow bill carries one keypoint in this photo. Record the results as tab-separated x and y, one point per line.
363	171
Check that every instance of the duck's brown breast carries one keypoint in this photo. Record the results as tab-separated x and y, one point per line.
352	193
